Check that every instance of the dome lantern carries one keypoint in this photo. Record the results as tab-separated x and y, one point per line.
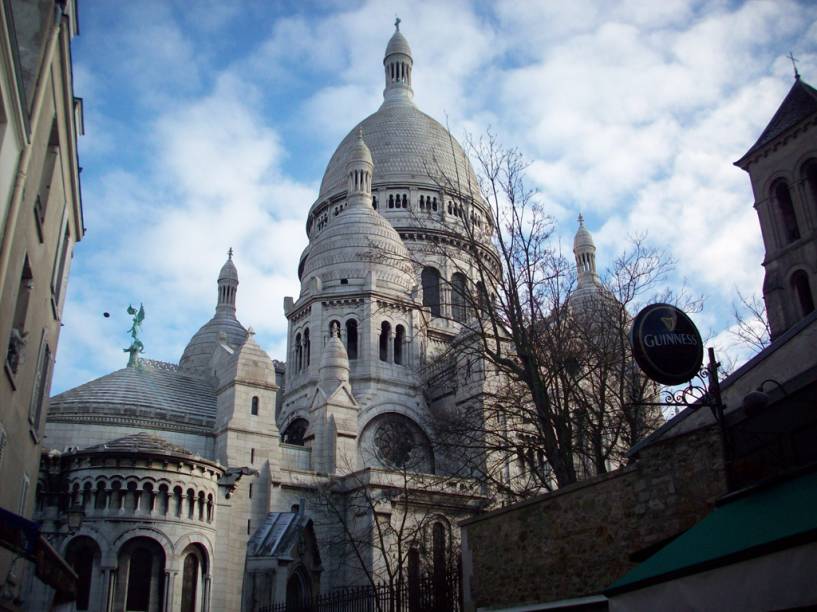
584	250
227	285
398	64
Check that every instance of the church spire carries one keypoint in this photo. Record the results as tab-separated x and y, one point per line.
398	64
584	250
227	286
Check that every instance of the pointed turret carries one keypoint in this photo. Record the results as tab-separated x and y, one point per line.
398	64
334	368
223	328
359	168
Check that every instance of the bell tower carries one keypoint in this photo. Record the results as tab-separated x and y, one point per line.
782	167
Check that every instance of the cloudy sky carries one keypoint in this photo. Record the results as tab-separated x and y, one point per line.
208	124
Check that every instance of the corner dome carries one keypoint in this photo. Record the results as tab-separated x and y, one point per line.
359	241
203	344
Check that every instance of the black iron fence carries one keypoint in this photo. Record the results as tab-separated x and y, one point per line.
425	594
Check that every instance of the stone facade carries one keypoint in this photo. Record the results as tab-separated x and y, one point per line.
40	222
576	541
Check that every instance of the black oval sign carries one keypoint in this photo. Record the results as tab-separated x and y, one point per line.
666	344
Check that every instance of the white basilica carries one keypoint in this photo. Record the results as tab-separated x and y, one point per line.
230	481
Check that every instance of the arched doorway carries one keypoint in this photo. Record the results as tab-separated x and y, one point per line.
299	592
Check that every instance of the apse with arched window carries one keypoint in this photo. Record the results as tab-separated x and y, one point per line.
430	278
351	339
802	291
385	332
785	209
458	297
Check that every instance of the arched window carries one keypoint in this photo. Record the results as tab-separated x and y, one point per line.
399	340
374	202
785	206
295	432
438	547
82	555
482	296
385	332
351	338
190	576
458	304
431	290
434	204
802	289
254	405
139	579
391	200
422	202
810	175
405	201
298	352
306	347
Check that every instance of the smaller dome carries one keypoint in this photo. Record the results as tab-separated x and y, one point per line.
228	270
359	152
398	44
583	239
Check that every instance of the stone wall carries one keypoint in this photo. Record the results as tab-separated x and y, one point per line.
578	540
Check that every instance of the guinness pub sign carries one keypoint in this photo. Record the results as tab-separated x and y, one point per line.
666	344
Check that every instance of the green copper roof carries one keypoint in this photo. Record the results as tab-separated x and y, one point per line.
749	525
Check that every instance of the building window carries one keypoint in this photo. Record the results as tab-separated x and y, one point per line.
298	353
60	262
385	332
82	555
810	173
391	200
47	177
805	299
249	493
458	306
431	290
399	339
38	394
307	347
249	526
374	202
785	207
252	455
254	407
351	338
17	338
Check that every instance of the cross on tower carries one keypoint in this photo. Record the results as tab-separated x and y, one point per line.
794	61
230	253
397	21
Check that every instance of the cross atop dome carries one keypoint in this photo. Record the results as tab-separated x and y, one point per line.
397	21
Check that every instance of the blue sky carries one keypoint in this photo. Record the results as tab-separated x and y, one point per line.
209	124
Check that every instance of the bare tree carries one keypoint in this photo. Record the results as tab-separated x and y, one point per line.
751	327
547	390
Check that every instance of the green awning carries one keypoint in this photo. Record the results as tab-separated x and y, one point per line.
757	522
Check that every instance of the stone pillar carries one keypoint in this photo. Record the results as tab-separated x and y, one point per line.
108	590
205	603
167	596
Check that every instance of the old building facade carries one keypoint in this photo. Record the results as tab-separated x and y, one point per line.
40	222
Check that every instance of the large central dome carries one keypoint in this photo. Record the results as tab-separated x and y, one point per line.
406	144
